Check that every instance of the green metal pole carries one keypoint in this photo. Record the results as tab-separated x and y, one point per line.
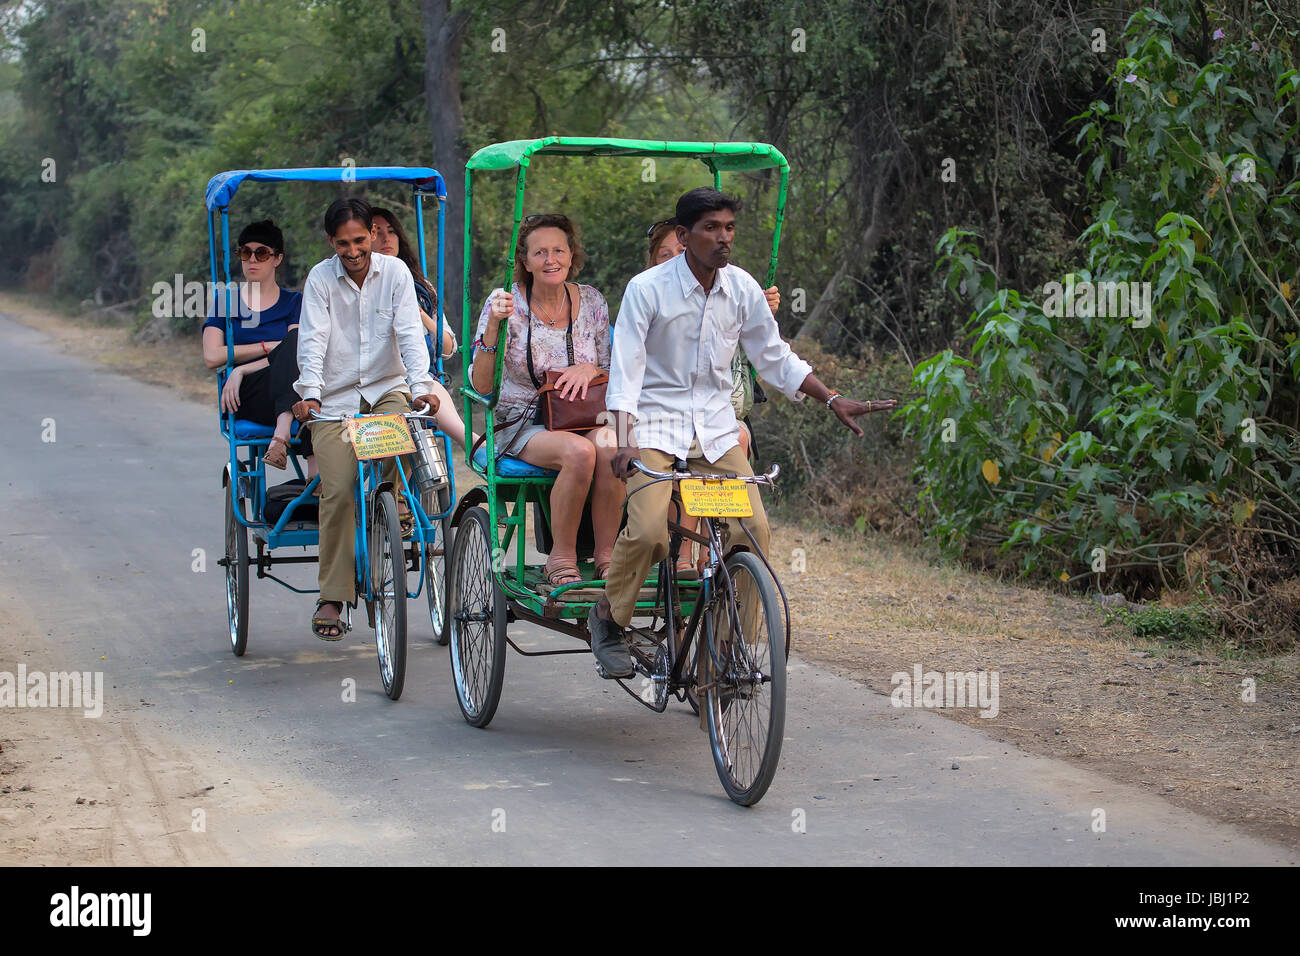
780	218
466	345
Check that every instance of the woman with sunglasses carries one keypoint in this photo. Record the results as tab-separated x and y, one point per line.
389	239
265	332
663	246
550	323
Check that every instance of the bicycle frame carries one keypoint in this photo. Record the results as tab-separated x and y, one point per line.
669	586
369	484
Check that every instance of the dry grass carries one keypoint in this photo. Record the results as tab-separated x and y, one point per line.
1167	718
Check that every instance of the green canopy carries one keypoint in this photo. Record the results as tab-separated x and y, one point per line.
717	156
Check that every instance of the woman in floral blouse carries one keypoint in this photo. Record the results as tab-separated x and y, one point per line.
546	313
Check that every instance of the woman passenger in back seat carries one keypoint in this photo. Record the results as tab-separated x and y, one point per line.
265	331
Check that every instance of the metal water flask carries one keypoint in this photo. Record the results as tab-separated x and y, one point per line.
430	466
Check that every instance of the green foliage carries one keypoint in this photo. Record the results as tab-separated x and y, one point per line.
873	103
847	481
1073	432
1191	624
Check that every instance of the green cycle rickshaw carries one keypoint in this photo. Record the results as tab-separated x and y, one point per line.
720	641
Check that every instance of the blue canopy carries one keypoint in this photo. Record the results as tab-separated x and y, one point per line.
222	187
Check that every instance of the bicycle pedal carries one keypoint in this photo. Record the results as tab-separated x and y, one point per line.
600	669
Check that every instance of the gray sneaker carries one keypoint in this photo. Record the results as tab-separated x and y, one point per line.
609	647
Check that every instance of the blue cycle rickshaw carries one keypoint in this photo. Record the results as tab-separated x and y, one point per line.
277	521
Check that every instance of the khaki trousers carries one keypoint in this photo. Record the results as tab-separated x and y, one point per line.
337	462
643	542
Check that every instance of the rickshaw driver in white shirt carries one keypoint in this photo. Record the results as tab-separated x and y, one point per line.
670	373
361	349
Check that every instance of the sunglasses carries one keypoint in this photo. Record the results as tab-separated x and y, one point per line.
662	222
261	253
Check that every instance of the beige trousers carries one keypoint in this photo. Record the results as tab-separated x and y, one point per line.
337	462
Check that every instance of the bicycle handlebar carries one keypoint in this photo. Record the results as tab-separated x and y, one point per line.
765	479
315	417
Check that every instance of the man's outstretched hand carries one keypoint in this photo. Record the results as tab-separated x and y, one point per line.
847	411
302	410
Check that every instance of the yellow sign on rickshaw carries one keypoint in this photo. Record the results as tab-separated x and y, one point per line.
380	436
715	499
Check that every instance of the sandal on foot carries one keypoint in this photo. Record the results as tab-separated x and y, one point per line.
319	625
405	521
277	456
561	575
686	570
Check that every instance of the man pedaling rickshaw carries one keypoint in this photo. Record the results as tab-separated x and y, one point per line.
670	377
361	350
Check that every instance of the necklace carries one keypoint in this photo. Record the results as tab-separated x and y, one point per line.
553	323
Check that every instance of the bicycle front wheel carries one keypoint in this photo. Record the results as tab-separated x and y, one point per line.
388	585
743	668
476	610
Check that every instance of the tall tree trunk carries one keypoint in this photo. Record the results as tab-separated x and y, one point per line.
442	40
817	326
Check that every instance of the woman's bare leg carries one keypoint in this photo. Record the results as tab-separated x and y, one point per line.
574	457
607	494
446	417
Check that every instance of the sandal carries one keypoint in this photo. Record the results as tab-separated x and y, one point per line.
273	458
561	575
685	569
319	624
602	570
405	520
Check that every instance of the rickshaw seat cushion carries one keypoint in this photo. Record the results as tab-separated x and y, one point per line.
245	430
512	467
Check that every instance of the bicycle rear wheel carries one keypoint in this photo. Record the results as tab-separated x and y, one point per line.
388	585
236	561
436	575
745	698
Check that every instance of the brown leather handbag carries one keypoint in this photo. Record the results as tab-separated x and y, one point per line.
559	414
578	414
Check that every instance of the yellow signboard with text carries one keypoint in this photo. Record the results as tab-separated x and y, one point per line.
715	499
380	436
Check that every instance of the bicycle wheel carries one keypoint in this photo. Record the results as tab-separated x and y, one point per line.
236	574
388	585
476	612
435	563
746	701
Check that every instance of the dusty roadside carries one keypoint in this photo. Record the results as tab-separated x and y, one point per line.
112	790
1169	719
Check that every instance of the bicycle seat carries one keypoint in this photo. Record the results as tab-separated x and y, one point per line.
245	429
508	467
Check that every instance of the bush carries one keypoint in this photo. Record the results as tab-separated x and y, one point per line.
1191	624
1144	452
849	482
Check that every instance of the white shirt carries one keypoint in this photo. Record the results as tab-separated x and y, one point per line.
368	338
673	345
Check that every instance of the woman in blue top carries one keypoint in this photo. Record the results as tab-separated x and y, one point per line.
265	332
